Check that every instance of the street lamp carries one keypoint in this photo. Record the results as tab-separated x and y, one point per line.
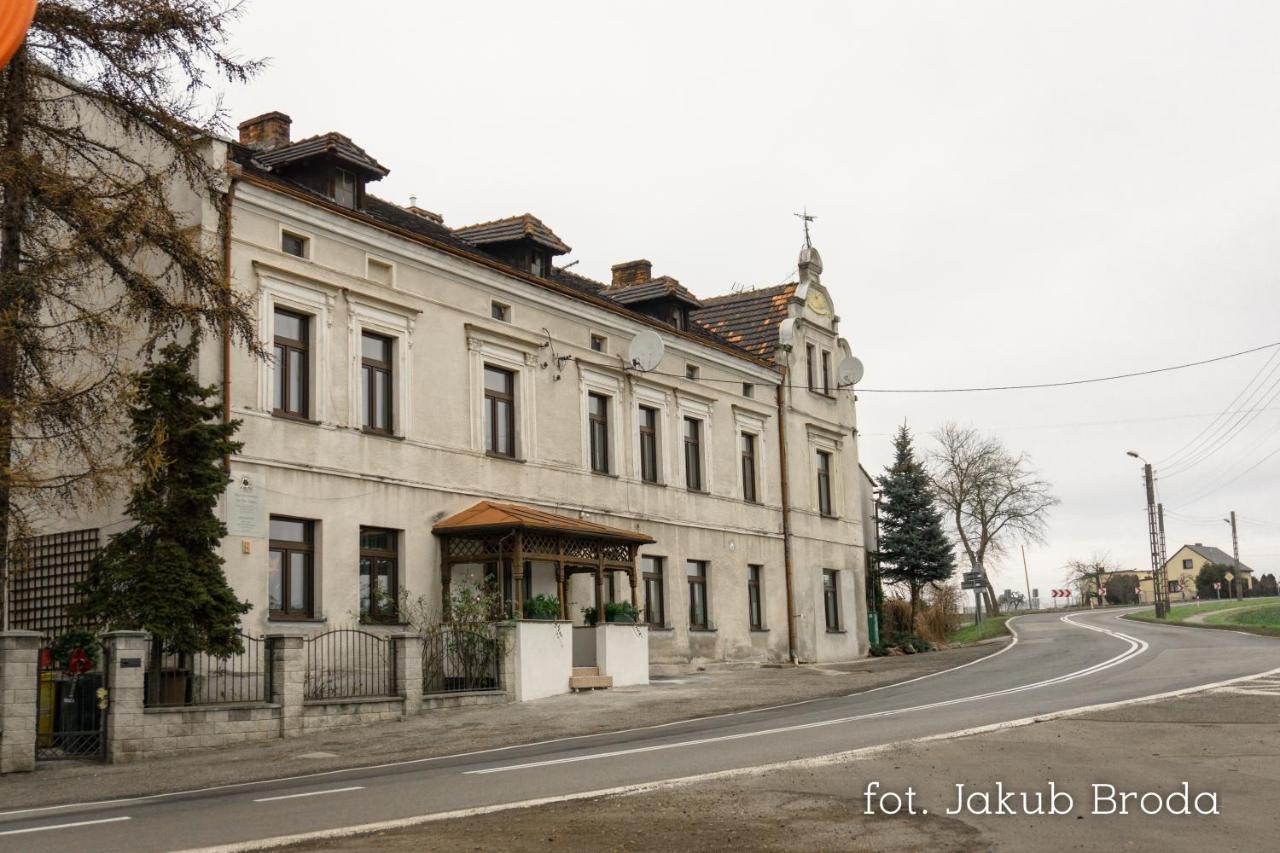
1153	532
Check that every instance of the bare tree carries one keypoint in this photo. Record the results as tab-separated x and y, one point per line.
994	497
105	160
1090	576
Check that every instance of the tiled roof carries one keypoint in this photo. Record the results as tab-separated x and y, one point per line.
331	143
1214	555
491	515
749	319
513	228
654	288
578	282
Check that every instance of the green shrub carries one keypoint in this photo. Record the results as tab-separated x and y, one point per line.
542	607
614	611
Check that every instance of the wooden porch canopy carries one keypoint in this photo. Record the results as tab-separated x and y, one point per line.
492	532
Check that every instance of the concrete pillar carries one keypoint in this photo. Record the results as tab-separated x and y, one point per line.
288	680
408	651
126	719
19	674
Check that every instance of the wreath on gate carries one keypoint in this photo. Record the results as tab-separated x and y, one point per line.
75	652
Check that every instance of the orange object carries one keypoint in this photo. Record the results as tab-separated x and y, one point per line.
15	20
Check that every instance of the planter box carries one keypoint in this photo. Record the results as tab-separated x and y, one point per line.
622	652
543	658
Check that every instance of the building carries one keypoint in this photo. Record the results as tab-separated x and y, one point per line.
426	376
1186	563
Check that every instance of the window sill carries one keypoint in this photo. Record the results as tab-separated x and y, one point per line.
693	630
836	631
759	630
373	433
828	516
381	623
298	419
657	483
696	491
608	474
293	620
504	457
665	628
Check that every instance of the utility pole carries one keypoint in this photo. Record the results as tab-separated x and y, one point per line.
1235	556
1026	575
1154	537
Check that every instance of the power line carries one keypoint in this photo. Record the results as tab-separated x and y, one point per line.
1069	382
1222	486
1168	460
1219	439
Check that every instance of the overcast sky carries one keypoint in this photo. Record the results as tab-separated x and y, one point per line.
1006	193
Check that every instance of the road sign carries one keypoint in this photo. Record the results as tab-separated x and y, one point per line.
970	585
972	577
1217	585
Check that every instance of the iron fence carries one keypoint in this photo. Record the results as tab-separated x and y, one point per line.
349	664
174	680
457	659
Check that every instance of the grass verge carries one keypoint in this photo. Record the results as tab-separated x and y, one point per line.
1254	615
990	628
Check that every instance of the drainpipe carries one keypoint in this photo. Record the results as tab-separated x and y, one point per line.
226	318
786	517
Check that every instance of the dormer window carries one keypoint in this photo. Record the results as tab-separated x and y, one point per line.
538	263
344	188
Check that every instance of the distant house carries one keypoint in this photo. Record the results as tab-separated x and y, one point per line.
1187	562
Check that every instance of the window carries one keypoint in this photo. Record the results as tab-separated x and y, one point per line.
754	612
375	372
678	318
748	390
344	188
598	427
293	244
379	271
499	411
291	380
654	609
826	372
538	263
691	372
648	444
498	311
291	582
379	575
1174	586
599	343
693	454
748	442
824	482
831	598
811	366
1186	564
697	572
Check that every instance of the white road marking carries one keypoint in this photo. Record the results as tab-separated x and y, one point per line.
1136	647
413	761
645	787
309	794
64	825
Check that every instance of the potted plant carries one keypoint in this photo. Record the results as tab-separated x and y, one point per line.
622	612
543	607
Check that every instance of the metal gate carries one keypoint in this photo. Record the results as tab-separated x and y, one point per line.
71	716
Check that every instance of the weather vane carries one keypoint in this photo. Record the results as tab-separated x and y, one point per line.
807	217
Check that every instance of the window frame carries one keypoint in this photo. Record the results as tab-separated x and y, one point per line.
648	440
375	555
657	579
598	433
694	477
831	600
823	463
293	348
599	343
499	311
698	594
811	366
286	548
492	401
369	370
304	243
755	598
826	372
338	182
749	460
692	372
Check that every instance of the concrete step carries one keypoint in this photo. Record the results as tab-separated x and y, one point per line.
585	670
590	682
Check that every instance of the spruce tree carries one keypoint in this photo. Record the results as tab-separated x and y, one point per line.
164	575
914	550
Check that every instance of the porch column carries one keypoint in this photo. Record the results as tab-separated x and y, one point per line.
599	595
446	580
560	591
517	575
635	598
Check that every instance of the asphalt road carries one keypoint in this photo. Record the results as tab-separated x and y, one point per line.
1057	663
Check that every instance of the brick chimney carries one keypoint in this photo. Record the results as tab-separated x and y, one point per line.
631	272
265	132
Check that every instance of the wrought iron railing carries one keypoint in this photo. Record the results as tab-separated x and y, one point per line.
174	680
457	659
349	664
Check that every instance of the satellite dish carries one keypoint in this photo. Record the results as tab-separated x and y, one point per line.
849	373
645	351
